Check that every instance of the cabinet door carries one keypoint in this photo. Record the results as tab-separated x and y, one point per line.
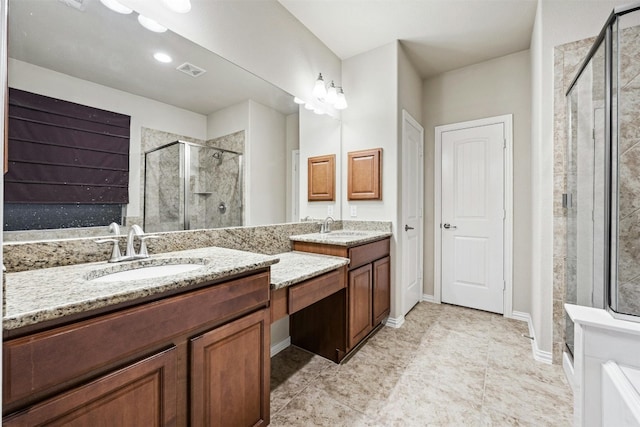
381	289
142	394
360	317
230	370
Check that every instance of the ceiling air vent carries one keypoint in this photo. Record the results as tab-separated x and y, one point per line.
191	69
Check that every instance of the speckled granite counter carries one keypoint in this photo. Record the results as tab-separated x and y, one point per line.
346	238
40	295
295	267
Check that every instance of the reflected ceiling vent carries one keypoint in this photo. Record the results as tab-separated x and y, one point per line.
191	69
76	4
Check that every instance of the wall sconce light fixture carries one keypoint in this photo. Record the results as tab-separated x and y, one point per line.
326	97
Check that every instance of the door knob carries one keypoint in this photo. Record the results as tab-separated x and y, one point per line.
449	226
407	228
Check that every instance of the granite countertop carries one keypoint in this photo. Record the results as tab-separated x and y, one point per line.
295	267
40	295
346	238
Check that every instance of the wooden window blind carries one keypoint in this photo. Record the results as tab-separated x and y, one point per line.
62	152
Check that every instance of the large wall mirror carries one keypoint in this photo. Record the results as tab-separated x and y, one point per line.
229	118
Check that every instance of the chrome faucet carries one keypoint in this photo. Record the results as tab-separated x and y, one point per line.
326	225
130	253
135	230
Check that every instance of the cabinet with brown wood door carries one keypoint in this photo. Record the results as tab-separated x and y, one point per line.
368	284
196	358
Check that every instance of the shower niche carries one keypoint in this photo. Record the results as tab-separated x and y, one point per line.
190	186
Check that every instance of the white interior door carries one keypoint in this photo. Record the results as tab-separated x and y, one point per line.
472	217
412	202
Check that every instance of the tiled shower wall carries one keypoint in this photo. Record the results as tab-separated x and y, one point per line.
629	172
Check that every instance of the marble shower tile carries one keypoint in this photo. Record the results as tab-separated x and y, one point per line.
558	278
629	247
629	181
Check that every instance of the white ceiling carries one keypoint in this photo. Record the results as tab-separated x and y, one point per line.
439	35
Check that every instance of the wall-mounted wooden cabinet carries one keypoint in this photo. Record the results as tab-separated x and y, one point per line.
321	184
364	175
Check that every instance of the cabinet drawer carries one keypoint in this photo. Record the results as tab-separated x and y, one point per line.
121	397
364	254
313	290
43	361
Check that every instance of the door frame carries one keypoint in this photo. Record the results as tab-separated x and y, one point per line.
507	121
407	118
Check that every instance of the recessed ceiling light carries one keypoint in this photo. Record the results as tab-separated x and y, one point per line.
116	6
151	25
162	57
180	6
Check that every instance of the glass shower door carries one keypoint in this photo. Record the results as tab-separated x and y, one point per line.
164	189
584	199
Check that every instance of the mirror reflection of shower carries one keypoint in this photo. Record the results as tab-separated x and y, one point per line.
190	186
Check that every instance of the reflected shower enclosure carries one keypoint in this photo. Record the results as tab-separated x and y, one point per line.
190	186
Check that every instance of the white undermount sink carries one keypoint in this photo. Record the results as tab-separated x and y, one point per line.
147	272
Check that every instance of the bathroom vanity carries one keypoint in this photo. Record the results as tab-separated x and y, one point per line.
367	292
188	348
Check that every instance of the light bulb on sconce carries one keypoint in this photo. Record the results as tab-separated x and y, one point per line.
341	101
319	90
332	94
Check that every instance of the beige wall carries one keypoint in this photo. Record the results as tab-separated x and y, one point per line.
492	88
409	99
371	122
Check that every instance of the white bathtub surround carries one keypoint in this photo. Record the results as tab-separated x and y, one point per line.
601	340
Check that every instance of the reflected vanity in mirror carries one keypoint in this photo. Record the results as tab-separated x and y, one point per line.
101	59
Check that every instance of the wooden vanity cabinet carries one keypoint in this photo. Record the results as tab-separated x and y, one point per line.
197	358
141	394
368	284
229	379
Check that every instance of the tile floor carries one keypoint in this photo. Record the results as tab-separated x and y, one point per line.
446	366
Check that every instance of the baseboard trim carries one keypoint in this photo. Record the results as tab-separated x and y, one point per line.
428	298
394	322
520	315
539	355
278	347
